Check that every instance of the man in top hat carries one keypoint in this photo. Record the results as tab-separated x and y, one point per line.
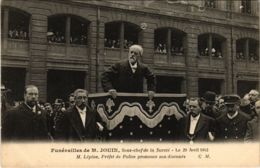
209	107
128	75
232	125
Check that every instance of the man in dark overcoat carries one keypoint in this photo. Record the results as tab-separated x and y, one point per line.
26	122
196	126
128	75
232	125
79	122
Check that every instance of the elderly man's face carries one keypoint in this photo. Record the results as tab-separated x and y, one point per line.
31	96
81	99
133	55
253	95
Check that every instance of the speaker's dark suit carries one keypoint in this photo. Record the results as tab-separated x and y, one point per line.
120	77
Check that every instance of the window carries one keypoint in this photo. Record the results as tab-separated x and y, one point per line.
160	40
253	54
59	26
240	50
115	32
203	45
18	25
78	31
57	29
210	3
210	45
112	35
245	6
175	41
247	49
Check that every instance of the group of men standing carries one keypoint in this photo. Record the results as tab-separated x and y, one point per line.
80	123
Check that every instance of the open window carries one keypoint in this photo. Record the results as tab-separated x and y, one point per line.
18	24
121	34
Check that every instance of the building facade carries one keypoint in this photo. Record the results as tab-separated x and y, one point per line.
192	46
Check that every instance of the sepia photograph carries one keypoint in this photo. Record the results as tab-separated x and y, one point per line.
140	83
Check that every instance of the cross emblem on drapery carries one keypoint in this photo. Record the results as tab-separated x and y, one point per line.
110	103
150	104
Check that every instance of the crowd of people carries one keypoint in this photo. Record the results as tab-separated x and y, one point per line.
214	53
162	49
59	37
208	118
230	118
241	56
116	43
18	33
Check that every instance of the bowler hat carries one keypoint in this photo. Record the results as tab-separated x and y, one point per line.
209	97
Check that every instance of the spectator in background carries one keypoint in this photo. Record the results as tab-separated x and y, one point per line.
245	107
50	118
209	105
252	133
253	96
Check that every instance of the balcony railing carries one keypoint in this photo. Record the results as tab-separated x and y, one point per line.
15	47
57	50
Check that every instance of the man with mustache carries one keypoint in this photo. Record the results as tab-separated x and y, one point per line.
196	126
128	75
27	121
232	125
79	122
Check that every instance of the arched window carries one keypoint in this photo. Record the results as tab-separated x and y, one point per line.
121	34
160	40
210	3
240	49
78	31
18	24
67	29
112	35
210	45
57	29
169	41
247	49
245	6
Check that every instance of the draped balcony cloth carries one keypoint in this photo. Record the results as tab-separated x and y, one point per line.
133	117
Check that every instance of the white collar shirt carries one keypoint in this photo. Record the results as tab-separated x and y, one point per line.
82	114
133	67
31	108
232	116
193	123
